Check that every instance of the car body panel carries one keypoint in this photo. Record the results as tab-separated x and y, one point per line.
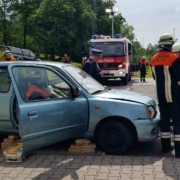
134	112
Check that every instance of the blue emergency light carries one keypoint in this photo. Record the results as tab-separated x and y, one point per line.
94	36
117	36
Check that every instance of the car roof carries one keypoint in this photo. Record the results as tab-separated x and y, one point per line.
26	49
45	63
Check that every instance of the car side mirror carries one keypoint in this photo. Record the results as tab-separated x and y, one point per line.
77	92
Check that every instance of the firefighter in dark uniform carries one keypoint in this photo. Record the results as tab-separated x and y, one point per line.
91	67
143	65
166	72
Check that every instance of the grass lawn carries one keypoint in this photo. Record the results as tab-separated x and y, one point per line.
149	75
77	64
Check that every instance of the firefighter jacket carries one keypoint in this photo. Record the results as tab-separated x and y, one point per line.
66	59
143	64
4	59
84	61
166	71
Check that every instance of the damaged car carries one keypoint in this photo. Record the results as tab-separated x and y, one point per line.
48	102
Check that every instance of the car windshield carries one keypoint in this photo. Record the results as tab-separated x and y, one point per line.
85	80
109	49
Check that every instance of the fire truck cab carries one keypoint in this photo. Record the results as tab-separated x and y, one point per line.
117	58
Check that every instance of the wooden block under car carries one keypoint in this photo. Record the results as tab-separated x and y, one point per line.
7	140
12	137
5	145
85	146
82	141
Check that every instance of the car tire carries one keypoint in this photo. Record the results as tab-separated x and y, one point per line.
114	138
129	77
125	80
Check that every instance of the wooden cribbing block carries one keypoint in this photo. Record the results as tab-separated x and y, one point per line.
4	145
82	146
82	141
85	146
12	137
10	141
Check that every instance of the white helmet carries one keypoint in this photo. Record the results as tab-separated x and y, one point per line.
143	57
176	47
166	39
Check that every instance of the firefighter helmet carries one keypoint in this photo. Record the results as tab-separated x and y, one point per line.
176	47
166	39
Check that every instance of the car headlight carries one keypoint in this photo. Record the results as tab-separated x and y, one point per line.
151	112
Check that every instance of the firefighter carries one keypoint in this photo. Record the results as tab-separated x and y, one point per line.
83	61
143	66
166	68
91	67
66	59
8	57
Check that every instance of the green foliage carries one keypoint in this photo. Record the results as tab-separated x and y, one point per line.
139	51
57	26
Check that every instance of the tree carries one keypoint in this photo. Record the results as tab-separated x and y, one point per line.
5	13
23	10
58	26
127	31
64	25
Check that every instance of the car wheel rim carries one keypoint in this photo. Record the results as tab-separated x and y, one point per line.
114	137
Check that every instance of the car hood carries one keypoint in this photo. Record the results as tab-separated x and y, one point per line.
127	96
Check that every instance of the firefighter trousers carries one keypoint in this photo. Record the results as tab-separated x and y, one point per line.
143	74
170	111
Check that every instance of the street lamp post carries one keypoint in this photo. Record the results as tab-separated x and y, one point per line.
174	32
112	13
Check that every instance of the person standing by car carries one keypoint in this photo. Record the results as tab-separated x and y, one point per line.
66	59
166	71
143	65
83	61
91	67
8	57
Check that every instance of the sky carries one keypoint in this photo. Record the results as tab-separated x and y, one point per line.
151	18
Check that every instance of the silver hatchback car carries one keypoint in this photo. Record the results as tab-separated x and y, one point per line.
46	102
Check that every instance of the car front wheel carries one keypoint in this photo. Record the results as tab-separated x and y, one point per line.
114	137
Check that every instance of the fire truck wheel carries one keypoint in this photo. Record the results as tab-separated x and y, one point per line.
125	80
114	137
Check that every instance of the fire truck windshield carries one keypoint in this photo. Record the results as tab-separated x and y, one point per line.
109	48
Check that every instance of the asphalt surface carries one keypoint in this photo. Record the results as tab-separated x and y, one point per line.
140	149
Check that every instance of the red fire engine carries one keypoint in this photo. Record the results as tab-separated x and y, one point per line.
117	59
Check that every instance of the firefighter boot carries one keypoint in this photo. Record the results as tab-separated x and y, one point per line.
177	149
166	145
